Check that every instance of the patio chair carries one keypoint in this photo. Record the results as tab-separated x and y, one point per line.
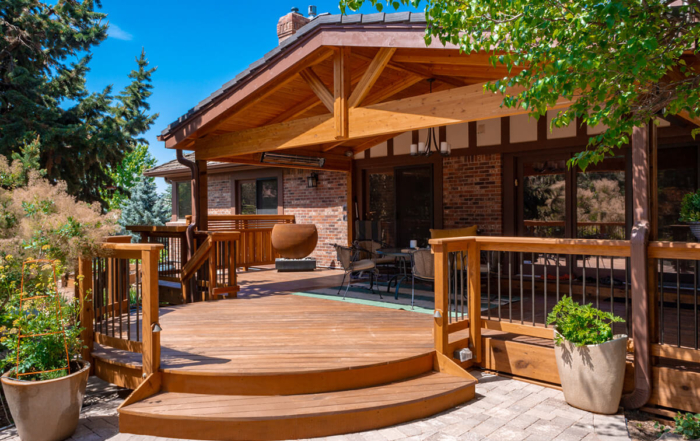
348	259
422	268
368	250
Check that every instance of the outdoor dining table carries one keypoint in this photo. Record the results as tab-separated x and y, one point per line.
403	258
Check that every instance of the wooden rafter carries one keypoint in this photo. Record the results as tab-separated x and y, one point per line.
341	91
454	106
374	70
417	70
310	103
318	88
396	87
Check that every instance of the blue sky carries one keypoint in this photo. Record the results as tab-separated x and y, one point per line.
197	47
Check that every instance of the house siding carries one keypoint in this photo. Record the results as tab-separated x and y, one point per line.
219	187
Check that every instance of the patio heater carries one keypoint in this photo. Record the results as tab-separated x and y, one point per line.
426	148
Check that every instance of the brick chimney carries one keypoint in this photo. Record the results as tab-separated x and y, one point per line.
289	24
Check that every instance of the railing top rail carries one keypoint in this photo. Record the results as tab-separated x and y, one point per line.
132	246
157	229
216	217
221	236
592	247
674	250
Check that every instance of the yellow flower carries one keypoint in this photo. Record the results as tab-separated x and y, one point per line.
9	257
45	247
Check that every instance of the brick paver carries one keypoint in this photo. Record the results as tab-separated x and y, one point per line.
503	410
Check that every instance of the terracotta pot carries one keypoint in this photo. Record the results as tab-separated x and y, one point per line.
592	376
294	241
46	410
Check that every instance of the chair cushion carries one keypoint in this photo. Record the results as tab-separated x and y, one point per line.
454	232
386	260
362	265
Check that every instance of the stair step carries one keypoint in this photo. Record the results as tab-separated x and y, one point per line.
256	417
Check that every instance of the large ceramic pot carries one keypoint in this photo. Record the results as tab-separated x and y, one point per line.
46	410
695	229
592	376
294	241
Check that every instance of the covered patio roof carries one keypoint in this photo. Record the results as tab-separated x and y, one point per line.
339	86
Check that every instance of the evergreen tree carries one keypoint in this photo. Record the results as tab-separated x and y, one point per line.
145	207
126	175
43	93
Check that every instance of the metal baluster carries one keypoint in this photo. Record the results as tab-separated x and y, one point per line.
627	295
121	295
510	286
678	302
583	260
488	283
661	299
695	302
545	292
612	288
522	290
450	282
499	285
557	277
571	277
139	290
461	289
532	264
597	282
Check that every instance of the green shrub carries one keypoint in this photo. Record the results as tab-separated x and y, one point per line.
581	325
687	425
690	207
40	314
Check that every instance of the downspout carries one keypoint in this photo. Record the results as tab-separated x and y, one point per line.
640	318
193	226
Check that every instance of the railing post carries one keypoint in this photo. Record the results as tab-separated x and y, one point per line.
474	287
442	287
87	311
151	339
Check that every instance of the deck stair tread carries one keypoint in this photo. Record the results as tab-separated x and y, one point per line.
274	417
245	407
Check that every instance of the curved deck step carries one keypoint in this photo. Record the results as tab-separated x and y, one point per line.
246	417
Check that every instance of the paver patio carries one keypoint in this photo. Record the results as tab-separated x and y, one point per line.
504	409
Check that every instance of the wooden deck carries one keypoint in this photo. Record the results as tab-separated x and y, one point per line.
274	365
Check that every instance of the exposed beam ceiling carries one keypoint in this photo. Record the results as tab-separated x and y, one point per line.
454	106
374	70
317	86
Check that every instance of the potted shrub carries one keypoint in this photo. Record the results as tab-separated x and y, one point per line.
690	212
590	359
46	380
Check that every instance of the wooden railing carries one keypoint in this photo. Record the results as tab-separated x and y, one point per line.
174	254
211	272
119	301
510	285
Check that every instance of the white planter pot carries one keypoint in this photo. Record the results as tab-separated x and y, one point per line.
46	410
592	376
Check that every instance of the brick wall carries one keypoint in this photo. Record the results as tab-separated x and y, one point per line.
472	193
219	187
323	206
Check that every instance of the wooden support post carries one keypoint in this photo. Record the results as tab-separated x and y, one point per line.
341	92
474	289
149	299
87	310
440	332
184	253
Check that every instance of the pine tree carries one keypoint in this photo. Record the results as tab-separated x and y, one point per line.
145	207
43	93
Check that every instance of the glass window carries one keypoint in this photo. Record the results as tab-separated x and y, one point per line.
184	199
600	202
247	190
267	196
544	198
677	177
382	204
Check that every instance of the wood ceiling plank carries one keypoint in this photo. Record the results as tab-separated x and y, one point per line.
396	87
415	69
374	70
454	106
368	144
319	89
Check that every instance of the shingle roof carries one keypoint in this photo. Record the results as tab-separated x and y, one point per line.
175	167
323	19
